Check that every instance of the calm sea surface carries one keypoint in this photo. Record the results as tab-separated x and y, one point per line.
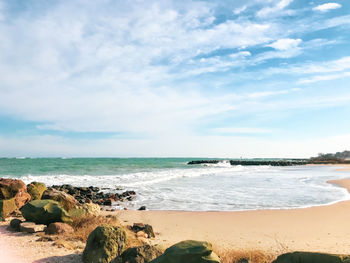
171	184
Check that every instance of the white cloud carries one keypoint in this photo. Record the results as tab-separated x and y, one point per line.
326	7
274	10
327	77
239	10
241	130
285	44
104	72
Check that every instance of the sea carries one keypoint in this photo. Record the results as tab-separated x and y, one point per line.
172	184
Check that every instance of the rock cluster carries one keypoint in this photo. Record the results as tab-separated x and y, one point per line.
94	194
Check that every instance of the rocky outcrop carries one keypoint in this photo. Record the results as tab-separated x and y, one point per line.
12	188
142	254
104	244
93	194
45	212
65	200
59	228
204	162
311	257
36	190
189	251
283	162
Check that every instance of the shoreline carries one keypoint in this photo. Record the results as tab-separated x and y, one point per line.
318	228
323	228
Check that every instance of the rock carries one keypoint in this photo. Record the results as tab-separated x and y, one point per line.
12	188
15	224
142	254
142	208
45	212
107	202
30	227
189	251
7	207
66	200
85	209
148	229
104	244
311	257
36	190
141	234
59	228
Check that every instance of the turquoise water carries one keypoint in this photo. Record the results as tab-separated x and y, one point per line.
171	184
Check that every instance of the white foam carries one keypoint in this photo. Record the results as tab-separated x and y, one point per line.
217	187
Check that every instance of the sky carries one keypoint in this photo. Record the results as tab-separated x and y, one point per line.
109	78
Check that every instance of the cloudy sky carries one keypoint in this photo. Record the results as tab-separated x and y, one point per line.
257	78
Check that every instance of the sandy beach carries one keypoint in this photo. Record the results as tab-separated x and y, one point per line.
323	228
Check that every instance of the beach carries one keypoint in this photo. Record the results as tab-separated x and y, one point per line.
320	228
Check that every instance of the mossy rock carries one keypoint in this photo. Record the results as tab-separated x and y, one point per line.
311	257
45	212
7	207
104	244
66	200
36	190
189	251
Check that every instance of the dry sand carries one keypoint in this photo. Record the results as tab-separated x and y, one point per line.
16	247
323	228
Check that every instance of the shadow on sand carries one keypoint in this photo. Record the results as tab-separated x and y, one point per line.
72	258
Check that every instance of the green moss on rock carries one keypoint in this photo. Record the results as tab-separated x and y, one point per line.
189	251
36	190
104	244
7	207
45	212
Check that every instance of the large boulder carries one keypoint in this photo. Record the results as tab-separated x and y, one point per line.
104	244
66	200
189	251
311	257
142	254
36	190
85	209
45	212
12	188
7	207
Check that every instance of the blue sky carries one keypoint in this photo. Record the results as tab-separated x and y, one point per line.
174	78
